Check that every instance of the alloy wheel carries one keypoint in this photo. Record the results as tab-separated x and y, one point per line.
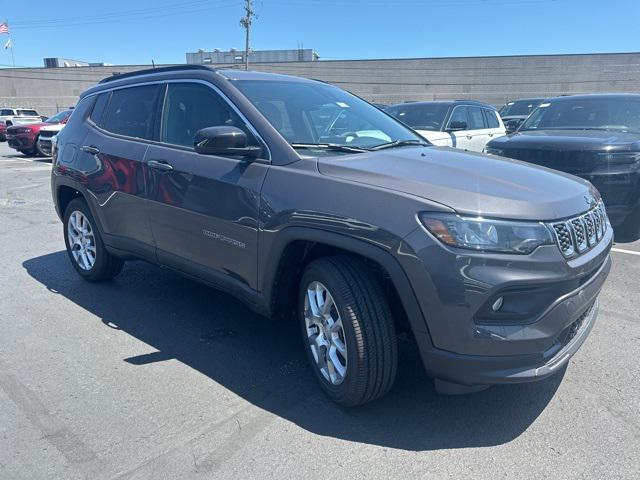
325	333
82	242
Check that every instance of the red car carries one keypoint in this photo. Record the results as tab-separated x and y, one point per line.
3	132
24	138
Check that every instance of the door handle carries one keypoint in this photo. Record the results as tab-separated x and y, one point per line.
491	134
158	165
90	149
469	137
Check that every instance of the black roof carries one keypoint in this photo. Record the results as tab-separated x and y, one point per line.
586	96
146	71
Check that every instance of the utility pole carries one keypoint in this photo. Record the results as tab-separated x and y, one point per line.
246	22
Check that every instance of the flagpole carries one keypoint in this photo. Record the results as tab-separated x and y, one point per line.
13	58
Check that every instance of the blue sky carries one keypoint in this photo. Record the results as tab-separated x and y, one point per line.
134	32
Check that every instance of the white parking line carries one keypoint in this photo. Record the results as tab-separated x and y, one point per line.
620	250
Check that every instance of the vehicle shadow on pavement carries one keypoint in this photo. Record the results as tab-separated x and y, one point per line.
263	362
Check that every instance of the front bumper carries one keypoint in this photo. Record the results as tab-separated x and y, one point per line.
452	288
45	145
488	370
22	141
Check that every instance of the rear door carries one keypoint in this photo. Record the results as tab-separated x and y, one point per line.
478	130
494	124
112	155
204	208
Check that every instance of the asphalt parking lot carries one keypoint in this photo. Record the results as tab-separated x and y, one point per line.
155	376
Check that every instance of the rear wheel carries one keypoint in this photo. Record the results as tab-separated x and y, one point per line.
84	244
347	329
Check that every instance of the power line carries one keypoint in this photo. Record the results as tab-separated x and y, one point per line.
119	18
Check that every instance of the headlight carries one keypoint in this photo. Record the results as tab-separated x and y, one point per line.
622	158
493	151
477	233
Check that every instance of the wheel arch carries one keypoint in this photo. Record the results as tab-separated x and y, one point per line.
295	247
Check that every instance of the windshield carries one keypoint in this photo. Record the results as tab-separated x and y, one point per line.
586	113
59	117
520	107
31	113
423	116
308	114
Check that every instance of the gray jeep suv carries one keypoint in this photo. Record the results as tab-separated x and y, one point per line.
308	203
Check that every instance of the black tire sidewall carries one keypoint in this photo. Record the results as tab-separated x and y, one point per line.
342	391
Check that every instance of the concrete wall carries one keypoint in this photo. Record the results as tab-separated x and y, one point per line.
490	79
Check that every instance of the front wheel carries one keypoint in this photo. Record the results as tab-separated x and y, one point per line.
348	330
84	244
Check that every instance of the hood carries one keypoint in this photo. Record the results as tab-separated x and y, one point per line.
570	140
31	125
52	127
467	182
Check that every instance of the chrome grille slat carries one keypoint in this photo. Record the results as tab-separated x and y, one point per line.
576	235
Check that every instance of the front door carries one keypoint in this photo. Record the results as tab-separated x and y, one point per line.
458	128
203	208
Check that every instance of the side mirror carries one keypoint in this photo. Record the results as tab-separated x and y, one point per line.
456	126
224	141
512	125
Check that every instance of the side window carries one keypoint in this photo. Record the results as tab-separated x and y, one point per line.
492	119
130	111
459	119
476	119
98	108
189	107
6	111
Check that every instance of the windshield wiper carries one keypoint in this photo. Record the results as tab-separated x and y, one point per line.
334	147
399	143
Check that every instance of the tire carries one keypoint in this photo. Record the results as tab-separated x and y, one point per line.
93	262
28	153
367	332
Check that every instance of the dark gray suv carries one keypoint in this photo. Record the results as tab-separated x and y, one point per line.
306	202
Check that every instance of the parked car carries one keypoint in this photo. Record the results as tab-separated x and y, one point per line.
234	179
24	138
464	124
3	132
596	137
13	116
47	133
515	112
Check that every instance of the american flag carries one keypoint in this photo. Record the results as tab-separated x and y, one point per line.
4	27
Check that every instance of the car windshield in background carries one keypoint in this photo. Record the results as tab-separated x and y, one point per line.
621	114
423	116
315	116
520	107
58	117
30	113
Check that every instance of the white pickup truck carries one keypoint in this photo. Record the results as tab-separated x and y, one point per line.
14	116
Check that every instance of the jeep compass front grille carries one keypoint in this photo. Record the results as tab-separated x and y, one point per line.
578	234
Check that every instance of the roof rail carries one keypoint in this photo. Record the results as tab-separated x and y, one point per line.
146	71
